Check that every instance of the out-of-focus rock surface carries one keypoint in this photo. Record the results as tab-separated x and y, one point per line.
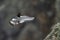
10	8
58	10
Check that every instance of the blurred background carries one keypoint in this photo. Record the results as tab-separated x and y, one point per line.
10	8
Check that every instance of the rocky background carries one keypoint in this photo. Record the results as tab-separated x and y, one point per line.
10	8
